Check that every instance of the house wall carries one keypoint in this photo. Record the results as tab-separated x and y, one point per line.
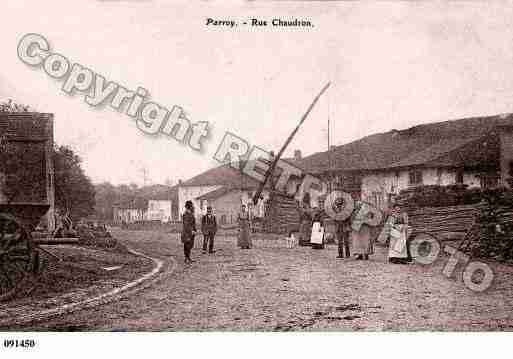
229	205
506	154
376	187
472	180
295	184
160	210
190	193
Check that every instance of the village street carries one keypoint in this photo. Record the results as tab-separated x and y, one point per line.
293	289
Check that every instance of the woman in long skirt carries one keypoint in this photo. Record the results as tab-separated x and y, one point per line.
244	239
361	242
305	227
399	243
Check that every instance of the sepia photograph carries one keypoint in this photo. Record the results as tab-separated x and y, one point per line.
312	173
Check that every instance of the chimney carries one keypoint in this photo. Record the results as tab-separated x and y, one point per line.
297	154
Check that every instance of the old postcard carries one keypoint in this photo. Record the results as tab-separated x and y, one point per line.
255	166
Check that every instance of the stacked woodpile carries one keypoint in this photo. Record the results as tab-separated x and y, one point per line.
439	196
492	236
282	214
442	219
441	210
486	227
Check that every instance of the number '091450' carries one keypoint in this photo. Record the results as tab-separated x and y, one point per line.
15	343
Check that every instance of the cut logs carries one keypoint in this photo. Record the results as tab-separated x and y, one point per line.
442	219
282	214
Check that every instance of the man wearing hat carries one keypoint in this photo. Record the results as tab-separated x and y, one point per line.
209	229
188	230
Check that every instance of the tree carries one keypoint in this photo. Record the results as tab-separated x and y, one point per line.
105	197
74	192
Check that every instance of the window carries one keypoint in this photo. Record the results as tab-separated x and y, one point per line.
459	177
488	181
439	174
415	177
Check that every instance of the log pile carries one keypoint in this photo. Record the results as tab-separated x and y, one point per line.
282	214
487	227
454	218
442	219
492	235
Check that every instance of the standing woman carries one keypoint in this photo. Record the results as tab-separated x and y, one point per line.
361	239
244	240
188	230
399	244
305	227
317	226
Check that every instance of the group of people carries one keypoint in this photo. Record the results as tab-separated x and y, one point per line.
357	240
209	230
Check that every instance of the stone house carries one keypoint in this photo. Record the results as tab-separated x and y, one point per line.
222	187
477	152
226	202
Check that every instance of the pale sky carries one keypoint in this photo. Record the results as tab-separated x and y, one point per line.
391	64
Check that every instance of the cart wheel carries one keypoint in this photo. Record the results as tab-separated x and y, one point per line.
18	257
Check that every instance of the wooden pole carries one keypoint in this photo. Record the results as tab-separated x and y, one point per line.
271	169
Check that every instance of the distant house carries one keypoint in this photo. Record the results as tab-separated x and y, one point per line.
477	152
226	202
163	204
129	214
151	203
217	183
160	210
226	189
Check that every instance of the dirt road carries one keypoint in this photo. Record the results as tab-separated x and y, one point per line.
294	289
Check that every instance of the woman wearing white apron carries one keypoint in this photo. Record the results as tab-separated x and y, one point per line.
317	236
398	250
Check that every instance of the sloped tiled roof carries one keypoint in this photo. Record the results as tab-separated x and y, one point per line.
434	152
225	175
439	143
414	146
221	192
215	193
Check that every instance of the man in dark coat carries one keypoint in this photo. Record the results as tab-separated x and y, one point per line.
188	230
209	229
343	233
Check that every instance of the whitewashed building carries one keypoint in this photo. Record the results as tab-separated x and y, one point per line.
129	214
477	152
220	181
160	210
